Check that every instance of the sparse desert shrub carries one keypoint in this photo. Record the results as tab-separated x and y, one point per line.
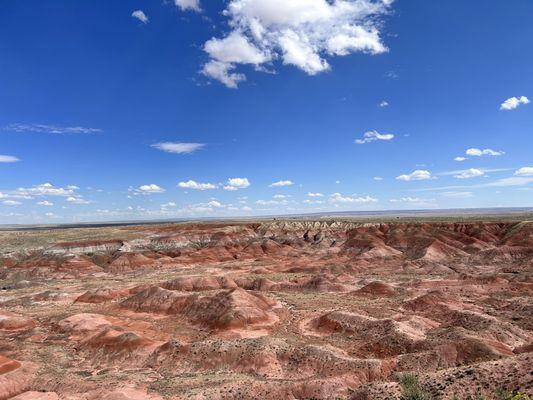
411	389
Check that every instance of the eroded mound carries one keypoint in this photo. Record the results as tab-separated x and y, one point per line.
281	309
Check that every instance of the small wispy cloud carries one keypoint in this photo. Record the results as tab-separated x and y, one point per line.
43	128
236	183
282	183
193	185
372	136
148	189
524	171
475	152
339	198
458	195
417	175
513	103
188	5
8	159
178	147
141	16
383	104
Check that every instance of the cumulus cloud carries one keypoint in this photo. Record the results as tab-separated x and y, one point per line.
236	184
8	159
11	203
281	183
514	102
45	203
315	194
77	200
214	204
43	128
339	198
413	200
46	189
524	171
149	189
417	175
458	195
190	184
140	15
188	5
178	148
383	104
271	202
460	158
378	178
483	152
372	136
469	173
301	33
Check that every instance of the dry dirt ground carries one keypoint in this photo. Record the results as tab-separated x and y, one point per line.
268	310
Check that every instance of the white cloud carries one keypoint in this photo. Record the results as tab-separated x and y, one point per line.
483	152
458	195
281	183
149	189
308	201
280	196
11	203
8	159
77	200
512	181
140	15
339	198
42	128
214	204
372	136
236	184
301	33
514	102
417	175
271	202
315	194
460	158
223	72
383	104
185	5
45	203
178	148
167	205
45	189
524	171
412	200
378	178
469	173
190	184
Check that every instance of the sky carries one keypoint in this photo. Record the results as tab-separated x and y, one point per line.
156	109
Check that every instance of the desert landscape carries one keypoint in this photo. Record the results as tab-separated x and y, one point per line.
269	309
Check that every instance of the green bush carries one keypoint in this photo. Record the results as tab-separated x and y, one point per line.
411	389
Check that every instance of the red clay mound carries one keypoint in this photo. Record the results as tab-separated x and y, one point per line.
15	380
375	289
234	309
427	302
82	324
36	396
199	283
7	365
79	264
101	295
13	322
130	262
154	299
381	337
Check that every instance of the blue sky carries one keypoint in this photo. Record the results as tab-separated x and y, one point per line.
117	110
